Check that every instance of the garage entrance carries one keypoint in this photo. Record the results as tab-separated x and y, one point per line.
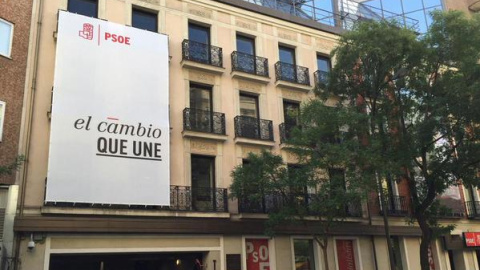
128	261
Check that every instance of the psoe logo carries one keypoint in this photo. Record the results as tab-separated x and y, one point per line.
86	32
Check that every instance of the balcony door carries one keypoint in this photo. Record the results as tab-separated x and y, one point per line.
288	69
203	183
291	113
250	125
199	45
200	116
246	54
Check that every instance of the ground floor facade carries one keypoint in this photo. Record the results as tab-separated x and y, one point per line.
162	251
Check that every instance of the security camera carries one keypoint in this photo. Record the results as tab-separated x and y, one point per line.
31	243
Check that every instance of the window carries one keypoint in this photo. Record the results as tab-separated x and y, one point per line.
203	183
323	63
84	7
197	33
337	181
144	20
2	117
199	43
200	116
291	112
287	55
6	36
245	54
304	254
245	45
249	106
397	255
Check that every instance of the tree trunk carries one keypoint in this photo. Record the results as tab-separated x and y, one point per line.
323	242
325	257
425	241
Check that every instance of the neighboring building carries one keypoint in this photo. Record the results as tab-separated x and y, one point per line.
238	71
14	33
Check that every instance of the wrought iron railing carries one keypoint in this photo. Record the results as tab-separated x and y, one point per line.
198	199
321	79
204	121
271	203
395	206
473	209
253	128
202	53
291	73
286	131
250	64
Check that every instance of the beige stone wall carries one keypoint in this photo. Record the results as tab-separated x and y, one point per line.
225	22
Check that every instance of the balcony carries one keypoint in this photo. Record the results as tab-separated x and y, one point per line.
286	131
250	67
253	128
202	56
396	206
292	76
274	202
182	198
473	209
321	79
198	199
209	124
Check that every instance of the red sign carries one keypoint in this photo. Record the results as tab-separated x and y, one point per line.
472	239
431	263
346	255
257	254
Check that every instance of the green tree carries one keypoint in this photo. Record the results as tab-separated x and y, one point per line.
414	106
316	188
10	168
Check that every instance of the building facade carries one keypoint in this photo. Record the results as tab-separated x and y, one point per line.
14	32
236	71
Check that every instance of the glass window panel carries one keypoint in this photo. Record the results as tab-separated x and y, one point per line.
245	45
304	254
394	6
5	38
412	5
249	106
291	112
200	98
432	3
324	4
287	55
84	7
144	20
198	33
323	63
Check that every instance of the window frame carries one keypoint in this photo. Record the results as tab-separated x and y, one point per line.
289	48
327	59
3	106
145	12
257	103
12	26
96	8
316	250
246	38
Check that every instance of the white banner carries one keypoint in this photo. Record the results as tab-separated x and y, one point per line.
109	140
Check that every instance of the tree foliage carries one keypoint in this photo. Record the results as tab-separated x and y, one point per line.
406	108
419	98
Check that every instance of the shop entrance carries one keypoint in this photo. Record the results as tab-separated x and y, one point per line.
128	261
